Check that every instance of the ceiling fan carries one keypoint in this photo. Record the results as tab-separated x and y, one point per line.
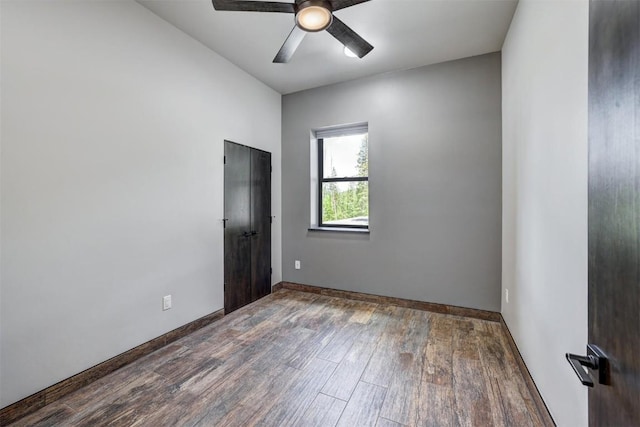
311	16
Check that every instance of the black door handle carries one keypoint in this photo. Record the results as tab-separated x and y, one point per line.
595	360
577	362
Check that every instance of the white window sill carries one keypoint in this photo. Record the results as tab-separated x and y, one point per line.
340	230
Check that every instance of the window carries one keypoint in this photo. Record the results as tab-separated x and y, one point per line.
343	171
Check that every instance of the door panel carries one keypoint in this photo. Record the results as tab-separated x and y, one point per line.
247	235
614	207
261	223
237	211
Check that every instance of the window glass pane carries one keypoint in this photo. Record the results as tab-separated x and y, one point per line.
345	203
345	156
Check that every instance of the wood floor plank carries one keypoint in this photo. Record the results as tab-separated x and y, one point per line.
436	408
515	374
472	404
285	342
518	408
325	312
299	359
264	353
253	397
178	410
289	297
161	356
379	371
55	414
324	411
383	422
510	398
436	389
307	315
188	409
106	388
303	356
341	342
346	377
215	332
259	313
241	380
141	399
363	313
223	350
363	408
329	323
500	414
292	402
342	310
438	353
186	371
403	394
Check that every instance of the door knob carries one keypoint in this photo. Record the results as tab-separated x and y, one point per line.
595	360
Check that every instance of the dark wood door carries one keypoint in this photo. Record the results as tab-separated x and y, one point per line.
261	223
237	213
614	208
247	233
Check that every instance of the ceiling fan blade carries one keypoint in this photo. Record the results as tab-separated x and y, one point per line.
290	45
254	6
349	38
341	4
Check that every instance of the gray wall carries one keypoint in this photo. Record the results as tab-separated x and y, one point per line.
113	124
435	185
545	167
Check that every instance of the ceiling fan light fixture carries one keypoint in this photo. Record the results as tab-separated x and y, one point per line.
314	16
310	16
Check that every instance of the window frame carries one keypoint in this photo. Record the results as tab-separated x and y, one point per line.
322	180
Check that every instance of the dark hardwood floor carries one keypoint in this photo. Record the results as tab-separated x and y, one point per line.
302	359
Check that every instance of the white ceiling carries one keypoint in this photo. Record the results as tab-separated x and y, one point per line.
405	34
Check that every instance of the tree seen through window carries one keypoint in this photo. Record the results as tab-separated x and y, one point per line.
345	186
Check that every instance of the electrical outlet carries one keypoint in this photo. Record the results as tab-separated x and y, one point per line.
297	264
166	302
506	295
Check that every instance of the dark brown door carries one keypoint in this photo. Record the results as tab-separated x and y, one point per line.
247	233
261	223
237	213
614	209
